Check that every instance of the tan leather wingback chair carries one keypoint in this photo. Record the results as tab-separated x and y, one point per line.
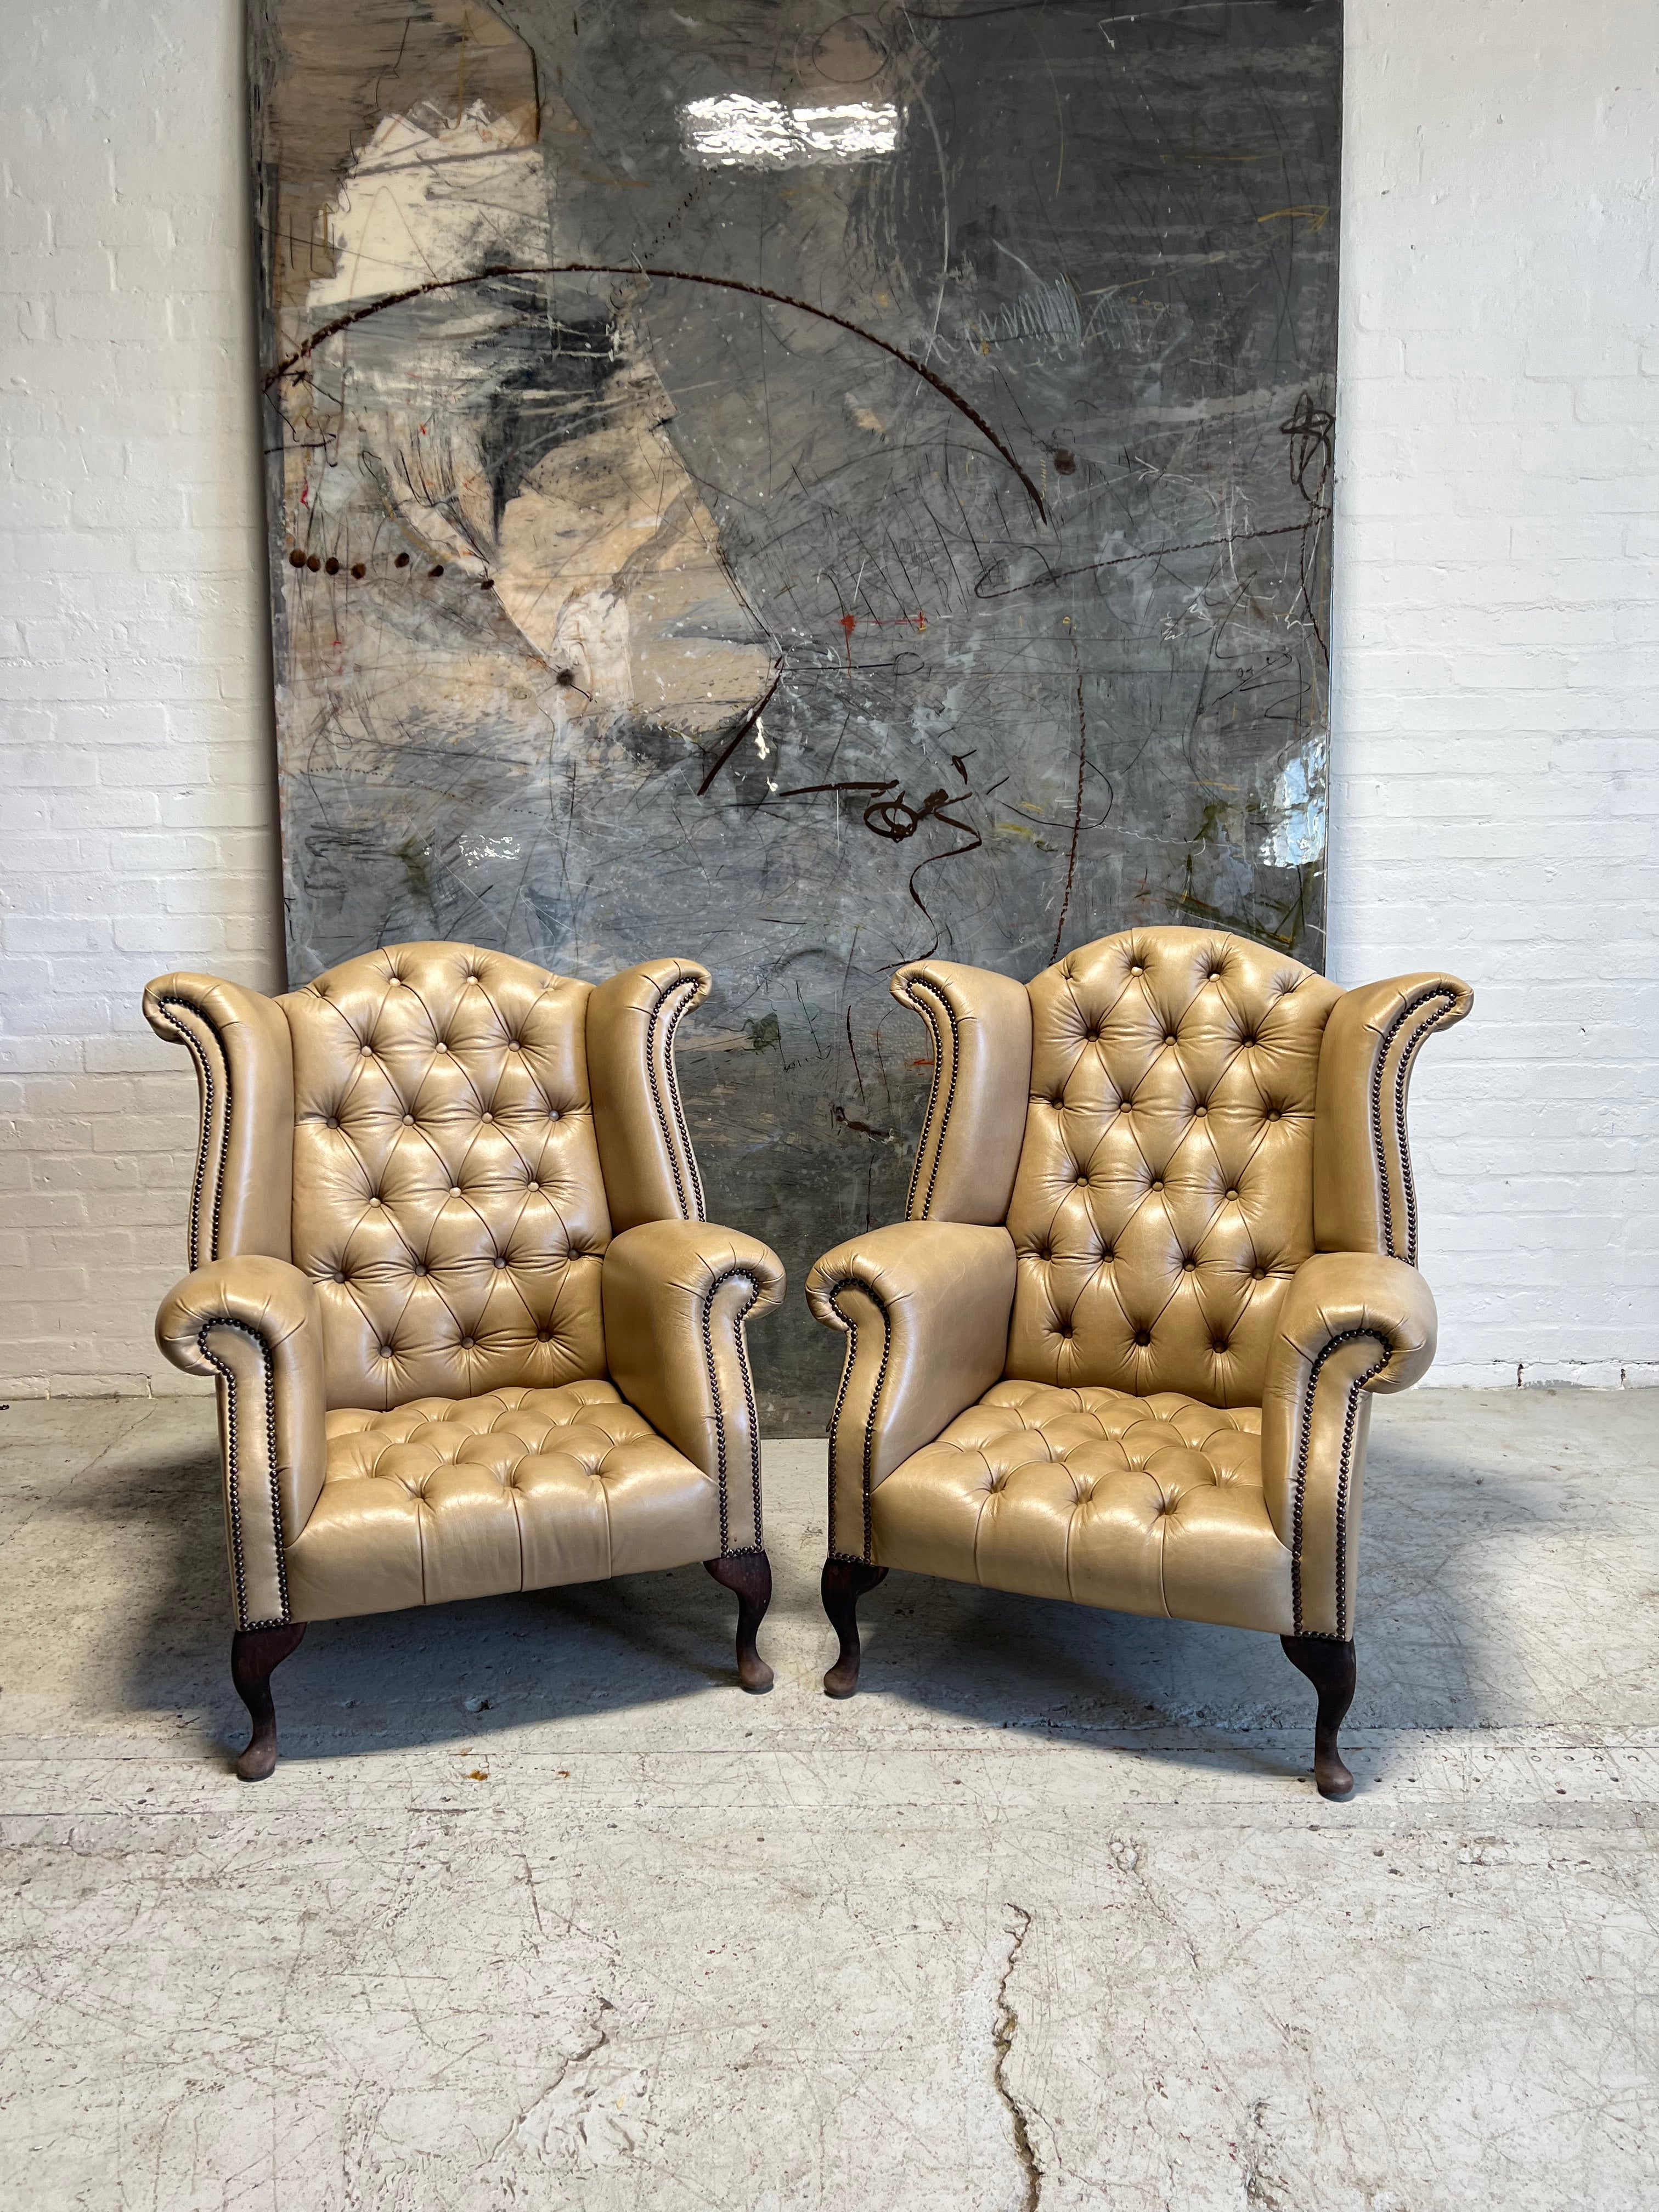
1160	1251
450	1270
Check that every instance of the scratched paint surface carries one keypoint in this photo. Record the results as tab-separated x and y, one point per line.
803	491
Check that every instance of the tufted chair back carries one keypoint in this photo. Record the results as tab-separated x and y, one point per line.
1164	1195
448	1201
444	1140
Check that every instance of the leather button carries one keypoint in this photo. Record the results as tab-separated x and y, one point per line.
454	1190
1065	1329
441	1046
386	1352
1170	1038
466	1343
338	1277
1273	1113
1108	1254
409	1120
1143	1336
1219	1345
1259	1275
332	1122
419	1269
532	1184
1247	1041
1200	1112
486	1117
1057	1101
1188	1266
1232	1193
500	1261
1137	969
553	1113
366	1052
1158	1183
1082	1181
375	1199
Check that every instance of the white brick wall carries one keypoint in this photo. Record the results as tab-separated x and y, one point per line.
1498	650
135	783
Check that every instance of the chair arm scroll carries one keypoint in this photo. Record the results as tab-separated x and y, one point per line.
925	1307
253	1323
1353	1324
677	1298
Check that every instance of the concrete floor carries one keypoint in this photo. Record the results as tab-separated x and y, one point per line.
1050	1916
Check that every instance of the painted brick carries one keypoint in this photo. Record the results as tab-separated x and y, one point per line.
1497	632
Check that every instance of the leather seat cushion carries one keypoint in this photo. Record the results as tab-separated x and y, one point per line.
1148	1506
451	1497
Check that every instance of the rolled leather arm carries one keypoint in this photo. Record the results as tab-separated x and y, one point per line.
1364	1198
1352	1324
253	1324
925	1306
677	1296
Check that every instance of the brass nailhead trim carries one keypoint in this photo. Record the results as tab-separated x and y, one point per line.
731	1275
1443	1000
234	1489
914	984
1303	1445
853	1283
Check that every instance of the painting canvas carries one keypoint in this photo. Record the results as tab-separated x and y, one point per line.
802	490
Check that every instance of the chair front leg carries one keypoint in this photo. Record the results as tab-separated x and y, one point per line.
1329	1666
748	1574
255	1655
845	1582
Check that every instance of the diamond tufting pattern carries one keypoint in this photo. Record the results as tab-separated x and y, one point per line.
448	1201
515	1489
1164	1196
1151	1506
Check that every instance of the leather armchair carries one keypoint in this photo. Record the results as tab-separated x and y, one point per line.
450	1272
1161	1254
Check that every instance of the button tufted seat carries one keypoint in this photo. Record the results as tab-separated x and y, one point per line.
517	1489
450	1271
1089	1494
1160	1250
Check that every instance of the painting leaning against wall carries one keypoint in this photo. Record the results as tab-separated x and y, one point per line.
803	491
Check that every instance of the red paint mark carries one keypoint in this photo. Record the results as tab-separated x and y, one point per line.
923	1063
849	624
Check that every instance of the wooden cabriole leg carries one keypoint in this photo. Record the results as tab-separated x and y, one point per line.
749	1574
255	1655
845	1582
1329	1667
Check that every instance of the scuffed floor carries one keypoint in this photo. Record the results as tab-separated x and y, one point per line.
1050	1916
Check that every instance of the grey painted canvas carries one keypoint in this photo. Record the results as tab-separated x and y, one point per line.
802	490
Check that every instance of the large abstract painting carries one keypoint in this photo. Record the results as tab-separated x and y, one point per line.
804	490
